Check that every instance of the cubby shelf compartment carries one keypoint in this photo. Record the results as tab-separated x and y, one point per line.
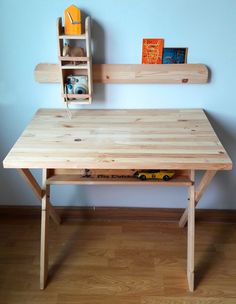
80	99
74	67
67	58
82	65
71	37
78	96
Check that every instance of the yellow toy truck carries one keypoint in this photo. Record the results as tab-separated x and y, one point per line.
155	174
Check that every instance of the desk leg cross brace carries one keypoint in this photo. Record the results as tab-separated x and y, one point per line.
29	178
205	181
47	210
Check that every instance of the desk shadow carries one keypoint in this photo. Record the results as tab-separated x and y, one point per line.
71	245
80	228
225	182
211	257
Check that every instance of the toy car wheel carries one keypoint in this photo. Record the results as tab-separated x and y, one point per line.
143	177
166	177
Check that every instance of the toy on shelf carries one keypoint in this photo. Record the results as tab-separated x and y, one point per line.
72	51
155	174
72	18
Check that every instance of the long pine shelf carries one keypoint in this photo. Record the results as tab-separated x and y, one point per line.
131	73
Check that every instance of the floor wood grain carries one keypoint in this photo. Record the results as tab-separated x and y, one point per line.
99	262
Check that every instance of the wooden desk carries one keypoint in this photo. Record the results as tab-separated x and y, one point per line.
118	141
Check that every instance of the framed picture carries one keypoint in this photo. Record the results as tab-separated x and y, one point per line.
174	55
152	51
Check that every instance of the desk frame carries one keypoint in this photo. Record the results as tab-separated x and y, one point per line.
47	211
122	140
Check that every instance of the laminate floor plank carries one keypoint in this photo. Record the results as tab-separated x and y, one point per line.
99	262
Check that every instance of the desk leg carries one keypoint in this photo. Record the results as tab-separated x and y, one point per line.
44	231
27	175
191	234
205	181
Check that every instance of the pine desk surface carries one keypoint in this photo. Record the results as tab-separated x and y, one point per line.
119	139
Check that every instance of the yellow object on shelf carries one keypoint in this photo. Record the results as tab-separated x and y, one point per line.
72	18
155	174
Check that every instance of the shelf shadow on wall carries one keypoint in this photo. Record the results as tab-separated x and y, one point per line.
209	74
98	53
99	56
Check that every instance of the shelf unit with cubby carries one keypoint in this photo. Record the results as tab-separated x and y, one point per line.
81	66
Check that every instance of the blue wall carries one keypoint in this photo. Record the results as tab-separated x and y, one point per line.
28	36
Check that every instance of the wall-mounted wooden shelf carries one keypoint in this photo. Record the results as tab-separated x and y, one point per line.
131	73
75	65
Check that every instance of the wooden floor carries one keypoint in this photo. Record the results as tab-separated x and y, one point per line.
101	262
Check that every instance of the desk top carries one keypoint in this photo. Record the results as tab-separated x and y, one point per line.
119	139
